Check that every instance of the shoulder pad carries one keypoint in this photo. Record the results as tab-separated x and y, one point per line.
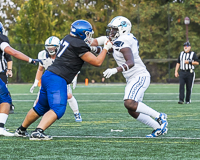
42	54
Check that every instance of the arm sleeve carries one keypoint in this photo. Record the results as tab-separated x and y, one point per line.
8	57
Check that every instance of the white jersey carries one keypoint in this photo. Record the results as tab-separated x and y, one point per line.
46	59
131	42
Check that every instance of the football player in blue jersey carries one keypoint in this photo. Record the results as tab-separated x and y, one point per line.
73	52
52	45
5	99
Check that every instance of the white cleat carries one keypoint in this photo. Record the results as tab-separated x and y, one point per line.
3	132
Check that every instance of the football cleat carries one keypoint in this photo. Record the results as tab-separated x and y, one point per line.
164	131
162	120
155	133
77	117
20	133
3	132
39	135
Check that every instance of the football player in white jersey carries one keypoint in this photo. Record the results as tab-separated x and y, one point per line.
126	54
52	45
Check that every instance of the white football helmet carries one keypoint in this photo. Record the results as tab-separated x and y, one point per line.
120	25
52	45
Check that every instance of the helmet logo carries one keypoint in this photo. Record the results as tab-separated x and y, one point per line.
123	24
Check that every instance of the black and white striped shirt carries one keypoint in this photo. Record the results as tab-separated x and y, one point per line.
4	58
187	56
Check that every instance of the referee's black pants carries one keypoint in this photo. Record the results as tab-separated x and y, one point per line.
185	78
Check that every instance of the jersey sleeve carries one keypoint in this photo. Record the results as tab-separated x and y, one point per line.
42	56
84	48
178	61
195	58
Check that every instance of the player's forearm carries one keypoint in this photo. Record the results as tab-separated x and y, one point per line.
17	54
9	64
101	57
195	63
39	74
177	67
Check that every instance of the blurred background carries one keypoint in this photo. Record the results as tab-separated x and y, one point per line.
161	27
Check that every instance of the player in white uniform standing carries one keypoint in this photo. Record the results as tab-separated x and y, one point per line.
126	53
52	45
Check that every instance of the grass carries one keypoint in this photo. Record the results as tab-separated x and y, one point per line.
102	110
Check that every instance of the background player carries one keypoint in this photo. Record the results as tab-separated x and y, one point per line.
126	53
52	45
5	99
53	94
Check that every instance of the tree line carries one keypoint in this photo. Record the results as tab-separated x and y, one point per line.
157	24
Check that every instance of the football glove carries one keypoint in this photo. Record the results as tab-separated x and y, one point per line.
107	45
93	49
35	61
109	72
34	85
74	81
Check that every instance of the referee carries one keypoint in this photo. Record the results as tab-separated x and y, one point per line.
186	62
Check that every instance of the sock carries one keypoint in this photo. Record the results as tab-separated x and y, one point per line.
143	108
73	104
39	129
22	128
3	119
148	121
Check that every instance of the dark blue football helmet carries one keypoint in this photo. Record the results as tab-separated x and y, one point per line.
82	29
1	28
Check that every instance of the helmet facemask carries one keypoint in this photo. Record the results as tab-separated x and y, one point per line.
52	49
113	33
88	38
52	45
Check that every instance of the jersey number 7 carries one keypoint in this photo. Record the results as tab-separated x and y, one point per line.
64	45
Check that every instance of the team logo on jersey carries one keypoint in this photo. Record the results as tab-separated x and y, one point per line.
118	43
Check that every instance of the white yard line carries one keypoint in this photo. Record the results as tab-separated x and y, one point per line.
114	137
121	100
33	94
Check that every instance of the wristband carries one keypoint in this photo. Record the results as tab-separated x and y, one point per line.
100	49
127	68
190	62
122	68
9	69
30	60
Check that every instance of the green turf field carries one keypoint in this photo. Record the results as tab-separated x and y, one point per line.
102	110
